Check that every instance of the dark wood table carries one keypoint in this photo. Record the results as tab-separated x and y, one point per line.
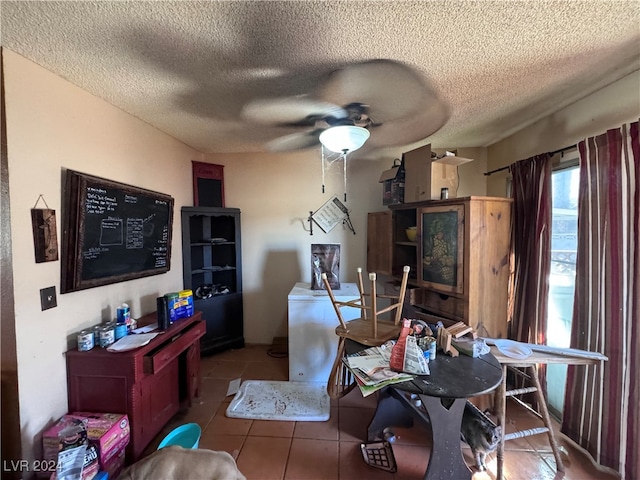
438	400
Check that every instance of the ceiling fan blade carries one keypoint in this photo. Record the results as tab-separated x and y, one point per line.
433	115
299	110
294	141
391	89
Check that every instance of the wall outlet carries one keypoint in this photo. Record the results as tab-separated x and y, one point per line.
48	298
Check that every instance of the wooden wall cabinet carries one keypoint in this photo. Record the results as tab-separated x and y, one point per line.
459	262
212	257
149	384
379	242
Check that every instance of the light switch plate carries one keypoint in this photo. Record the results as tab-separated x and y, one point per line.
48	298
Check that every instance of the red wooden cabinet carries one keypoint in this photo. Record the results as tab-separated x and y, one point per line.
149	383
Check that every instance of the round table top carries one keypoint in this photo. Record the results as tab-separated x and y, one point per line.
456	377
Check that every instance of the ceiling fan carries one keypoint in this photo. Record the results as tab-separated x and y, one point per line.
388	102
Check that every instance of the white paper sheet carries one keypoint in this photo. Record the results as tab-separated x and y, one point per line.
146	328
129	342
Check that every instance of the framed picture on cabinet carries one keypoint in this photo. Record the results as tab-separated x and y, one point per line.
442	247
208	184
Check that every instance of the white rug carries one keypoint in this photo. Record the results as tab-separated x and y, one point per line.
277	400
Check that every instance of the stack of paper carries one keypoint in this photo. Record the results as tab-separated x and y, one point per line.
130	342
372	371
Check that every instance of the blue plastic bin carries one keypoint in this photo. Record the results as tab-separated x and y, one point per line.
186	436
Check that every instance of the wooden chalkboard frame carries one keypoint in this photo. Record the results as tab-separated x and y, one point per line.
74	256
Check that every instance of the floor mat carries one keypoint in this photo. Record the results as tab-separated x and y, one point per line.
278	400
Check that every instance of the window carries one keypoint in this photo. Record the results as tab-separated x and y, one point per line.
564	242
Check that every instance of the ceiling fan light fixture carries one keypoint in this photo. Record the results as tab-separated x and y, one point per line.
344	138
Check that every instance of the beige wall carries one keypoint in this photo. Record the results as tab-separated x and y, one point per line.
275	194
52	125
607	108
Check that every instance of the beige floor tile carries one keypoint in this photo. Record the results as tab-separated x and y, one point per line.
355	399
223	369
328	430
229	426
213	440
269	369
353	423
213	389
311	459
200	413
272	428
419	434
264	458
412	461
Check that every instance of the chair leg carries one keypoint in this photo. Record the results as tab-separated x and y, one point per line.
341	380
500	401
544	413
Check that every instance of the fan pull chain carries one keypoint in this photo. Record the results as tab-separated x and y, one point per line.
322	160
344	169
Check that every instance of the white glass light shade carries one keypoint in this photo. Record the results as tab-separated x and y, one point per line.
344	138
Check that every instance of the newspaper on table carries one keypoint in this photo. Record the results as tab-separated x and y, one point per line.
414	361
372	371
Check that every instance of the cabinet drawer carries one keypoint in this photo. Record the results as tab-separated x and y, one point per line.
156	361
447	306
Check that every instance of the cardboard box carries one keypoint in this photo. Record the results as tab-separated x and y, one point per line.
393	185
425	177
109	432
114	465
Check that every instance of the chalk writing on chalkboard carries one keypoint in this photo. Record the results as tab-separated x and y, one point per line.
113	232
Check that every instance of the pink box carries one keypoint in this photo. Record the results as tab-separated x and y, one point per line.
114	465
109	432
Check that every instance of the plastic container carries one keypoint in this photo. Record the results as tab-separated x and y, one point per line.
185	436
172	305
185	301
162	313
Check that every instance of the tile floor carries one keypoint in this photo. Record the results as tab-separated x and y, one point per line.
272	450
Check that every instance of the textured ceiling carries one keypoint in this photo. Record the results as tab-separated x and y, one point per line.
188	68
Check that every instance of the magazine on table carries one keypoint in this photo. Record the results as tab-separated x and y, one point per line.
372	371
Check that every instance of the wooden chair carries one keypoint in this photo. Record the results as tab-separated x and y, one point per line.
367	330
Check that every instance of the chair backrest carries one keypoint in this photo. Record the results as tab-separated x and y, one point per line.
369	311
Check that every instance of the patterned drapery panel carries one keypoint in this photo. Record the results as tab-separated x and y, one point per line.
601	405
531	255
530	248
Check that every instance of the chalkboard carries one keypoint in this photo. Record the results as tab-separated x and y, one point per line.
112	232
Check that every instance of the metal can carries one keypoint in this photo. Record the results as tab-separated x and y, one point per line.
96	334
85	340
120	331
123	314
107	336
444	193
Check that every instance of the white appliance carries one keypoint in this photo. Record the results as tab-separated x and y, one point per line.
312	323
